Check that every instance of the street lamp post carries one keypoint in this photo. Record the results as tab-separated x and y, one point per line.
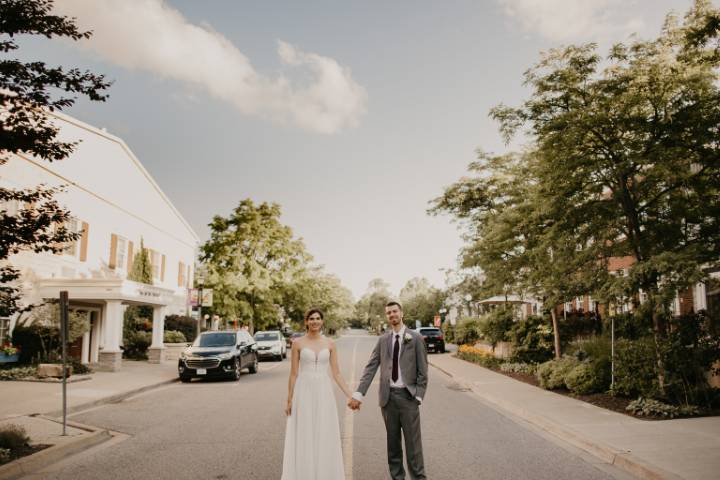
201	281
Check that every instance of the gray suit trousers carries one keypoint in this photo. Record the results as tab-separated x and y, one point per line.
402	419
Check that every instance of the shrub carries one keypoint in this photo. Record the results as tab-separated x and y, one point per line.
467	331
173	336
448	332
515	367
475	355
496	325
17	373
589	377
13	437
186	325
136	345
594	348
578	324
532	340
648	407
635	368
5	455
631	326
551	375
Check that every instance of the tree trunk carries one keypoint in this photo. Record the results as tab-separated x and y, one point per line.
556	332
659	336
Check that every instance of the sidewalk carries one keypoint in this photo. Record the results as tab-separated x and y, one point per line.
670	449
37	406
24	398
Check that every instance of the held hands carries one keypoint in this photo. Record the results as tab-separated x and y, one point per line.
354	404
288	408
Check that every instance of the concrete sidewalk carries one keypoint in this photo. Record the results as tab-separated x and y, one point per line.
25	398
669	449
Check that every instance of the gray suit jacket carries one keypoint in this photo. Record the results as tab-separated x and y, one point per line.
413	365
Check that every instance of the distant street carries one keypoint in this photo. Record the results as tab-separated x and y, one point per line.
235	430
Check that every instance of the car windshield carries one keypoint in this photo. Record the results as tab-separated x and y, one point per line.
216	339
265	336
430	331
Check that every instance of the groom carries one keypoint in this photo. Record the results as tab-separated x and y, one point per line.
400	354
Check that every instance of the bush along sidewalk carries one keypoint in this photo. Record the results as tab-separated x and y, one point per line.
15	443
584	372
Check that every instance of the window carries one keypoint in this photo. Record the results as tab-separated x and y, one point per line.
4	330
121	255
71	248
155	262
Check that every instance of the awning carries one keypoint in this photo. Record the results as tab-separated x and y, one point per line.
92	289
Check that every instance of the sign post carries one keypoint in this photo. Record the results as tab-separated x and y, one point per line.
64	304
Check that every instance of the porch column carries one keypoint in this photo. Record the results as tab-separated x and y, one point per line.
110	357
700	297
156	350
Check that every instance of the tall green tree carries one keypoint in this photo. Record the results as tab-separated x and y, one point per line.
250	257
28	91
421	301
141	270
370	308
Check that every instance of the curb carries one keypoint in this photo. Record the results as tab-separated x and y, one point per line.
32	463
619	458
118	397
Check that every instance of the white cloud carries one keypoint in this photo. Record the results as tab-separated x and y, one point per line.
150	35
577	20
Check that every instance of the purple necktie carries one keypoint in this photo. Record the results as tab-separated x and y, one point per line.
396	357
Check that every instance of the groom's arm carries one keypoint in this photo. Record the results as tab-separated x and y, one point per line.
369	372
422	368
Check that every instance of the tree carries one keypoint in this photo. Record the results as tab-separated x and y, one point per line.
370	309
624	163
249	258
141	270
421	301
27	93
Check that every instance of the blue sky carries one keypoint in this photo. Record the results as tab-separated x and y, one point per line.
350	115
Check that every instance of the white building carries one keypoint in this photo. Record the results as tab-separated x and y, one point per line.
115	204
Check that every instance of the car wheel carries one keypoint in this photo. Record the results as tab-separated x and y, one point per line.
236	371
284	355
253	368
185	379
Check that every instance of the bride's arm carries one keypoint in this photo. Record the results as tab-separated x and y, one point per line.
336	372
294	367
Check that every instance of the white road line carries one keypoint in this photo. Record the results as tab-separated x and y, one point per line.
347	441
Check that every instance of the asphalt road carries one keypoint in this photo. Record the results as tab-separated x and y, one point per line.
235	430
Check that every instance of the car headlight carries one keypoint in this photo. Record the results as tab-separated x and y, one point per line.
184	355
225	356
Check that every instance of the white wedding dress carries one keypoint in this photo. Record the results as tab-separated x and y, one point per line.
312	433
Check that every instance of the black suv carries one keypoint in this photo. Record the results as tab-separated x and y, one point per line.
434	340
219	354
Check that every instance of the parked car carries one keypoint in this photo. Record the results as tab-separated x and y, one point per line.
219	354
288	334
434	340
271	343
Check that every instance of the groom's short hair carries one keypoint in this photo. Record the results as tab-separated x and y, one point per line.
392	304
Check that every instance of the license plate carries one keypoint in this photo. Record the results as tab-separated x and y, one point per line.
201	371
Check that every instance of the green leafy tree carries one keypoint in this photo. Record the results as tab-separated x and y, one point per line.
28	91
421	301
370	309
141	270
250	257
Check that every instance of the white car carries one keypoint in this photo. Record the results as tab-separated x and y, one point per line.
271	343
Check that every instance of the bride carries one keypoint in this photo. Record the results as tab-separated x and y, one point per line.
312	434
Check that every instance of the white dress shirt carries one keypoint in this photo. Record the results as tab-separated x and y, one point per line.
399	383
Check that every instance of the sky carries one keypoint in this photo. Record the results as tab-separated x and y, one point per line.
351	115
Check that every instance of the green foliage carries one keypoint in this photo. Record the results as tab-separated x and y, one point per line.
370	309
636	368
495	327
5	455
186	325
532	340
38	333
174	336
589	377
594	348
141	270
551	375
448	332
632	326
28	92
467	331
17	373
648	407
136	344
13	437
421	301
481	358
